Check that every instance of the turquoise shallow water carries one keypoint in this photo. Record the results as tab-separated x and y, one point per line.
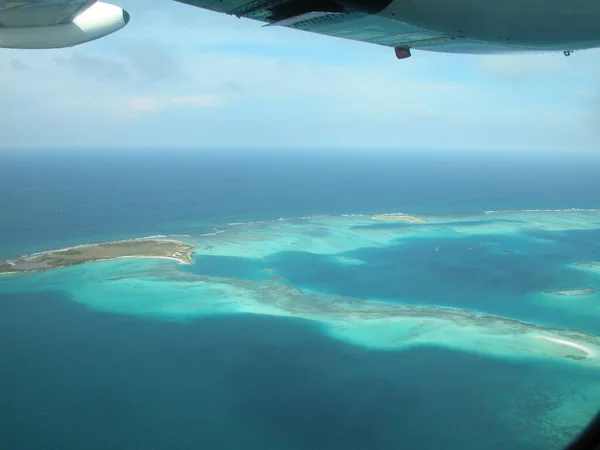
327	331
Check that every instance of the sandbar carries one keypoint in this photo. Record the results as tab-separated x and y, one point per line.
398	218
589	264
170	293
583	348
571	292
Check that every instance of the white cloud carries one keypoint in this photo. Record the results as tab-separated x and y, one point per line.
143	105
185	74
153	105
197	100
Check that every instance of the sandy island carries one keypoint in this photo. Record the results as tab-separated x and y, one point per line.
571	292
131	248
589	264
398	218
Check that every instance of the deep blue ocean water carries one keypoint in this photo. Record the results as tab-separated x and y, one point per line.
71	378
65	197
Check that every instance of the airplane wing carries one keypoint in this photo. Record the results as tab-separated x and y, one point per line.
466	26
358	20
474	26
35	13
57	23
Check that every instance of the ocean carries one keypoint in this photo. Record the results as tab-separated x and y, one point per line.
220	354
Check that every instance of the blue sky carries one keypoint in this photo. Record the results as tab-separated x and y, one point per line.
179	76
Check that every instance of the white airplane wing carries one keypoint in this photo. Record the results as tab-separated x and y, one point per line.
57	23
473	26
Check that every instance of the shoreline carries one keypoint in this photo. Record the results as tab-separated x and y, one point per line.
172	258
590	353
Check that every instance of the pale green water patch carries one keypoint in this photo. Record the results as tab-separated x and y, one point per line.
158	288
338	234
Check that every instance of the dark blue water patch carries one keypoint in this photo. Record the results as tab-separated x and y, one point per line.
72	378
573	245
415	268
492	274
229	267
315	271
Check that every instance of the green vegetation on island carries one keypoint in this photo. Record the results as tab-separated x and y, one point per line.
132	248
